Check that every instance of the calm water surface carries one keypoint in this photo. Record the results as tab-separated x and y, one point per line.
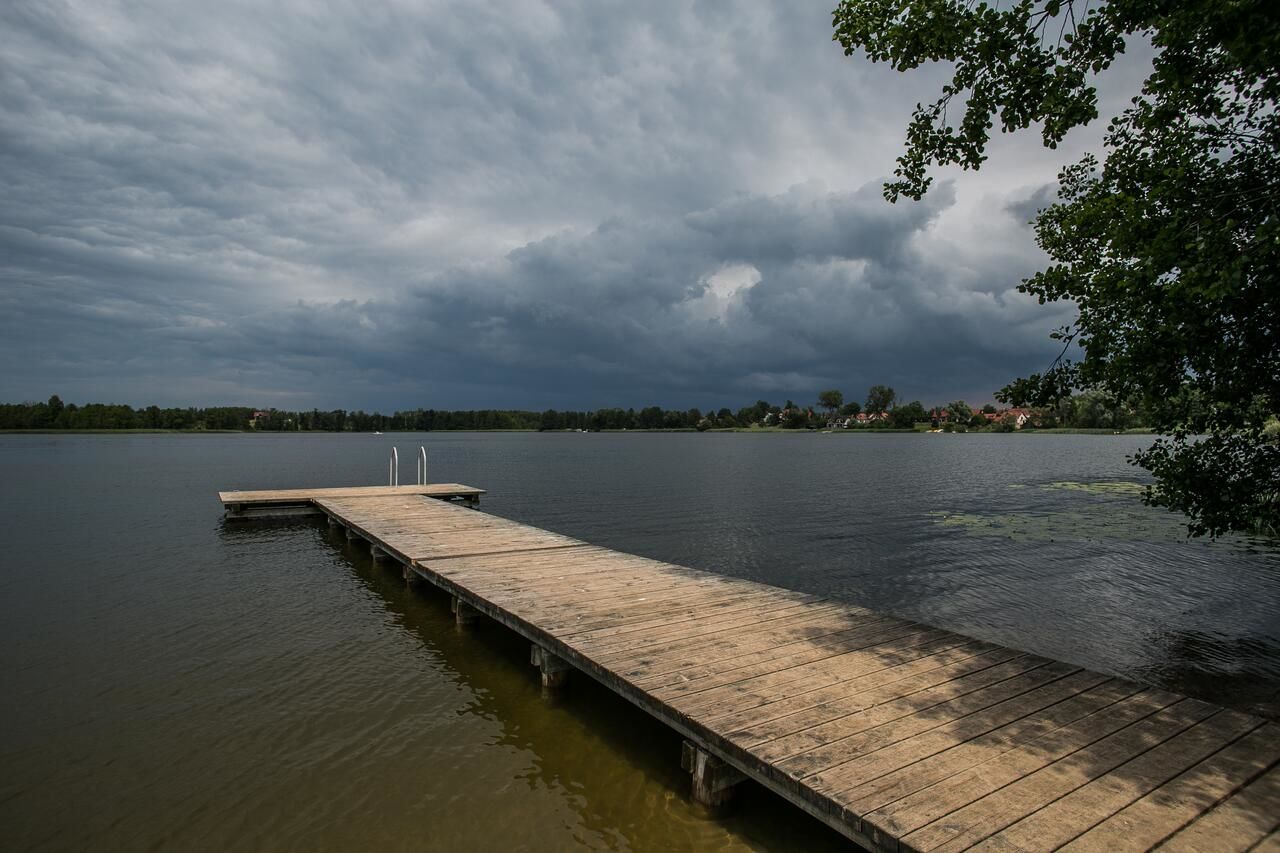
170	682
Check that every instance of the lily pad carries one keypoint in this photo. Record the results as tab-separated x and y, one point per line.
1102	487
1081	524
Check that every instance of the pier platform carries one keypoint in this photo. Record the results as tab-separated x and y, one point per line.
281	503
900	735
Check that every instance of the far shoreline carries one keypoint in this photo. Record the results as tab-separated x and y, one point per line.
738	430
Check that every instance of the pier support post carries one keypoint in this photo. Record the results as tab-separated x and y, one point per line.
378	553
555	670
351	534
463	613
713	781
333	522
411	577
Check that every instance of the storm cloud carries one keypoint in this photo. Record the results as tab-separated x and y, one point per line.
462	205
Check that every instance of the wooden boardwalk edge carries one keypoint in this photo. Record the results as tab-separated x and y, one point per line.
897	735
708	739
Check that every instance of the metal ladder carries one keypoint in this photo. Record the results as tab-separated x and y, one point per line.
393	467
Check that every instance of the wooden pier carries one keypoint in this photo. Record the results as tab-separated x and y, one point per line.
279	503
899	735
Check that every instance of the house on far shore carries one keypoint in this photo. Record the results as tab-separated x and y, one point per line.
860	419
1017	415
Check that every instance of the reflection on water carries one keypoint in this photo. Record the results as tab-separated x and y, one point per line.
1215	664
170	682
614	766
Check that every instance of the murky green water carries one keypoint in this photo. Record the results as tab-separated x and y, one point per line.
171	682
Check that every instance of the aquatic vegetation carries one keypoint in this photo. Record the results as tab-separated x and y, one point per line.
1104	487
1091	521
1076	524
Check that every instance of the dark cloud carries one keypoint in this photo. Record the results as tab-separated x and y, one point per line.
472	205
1025	209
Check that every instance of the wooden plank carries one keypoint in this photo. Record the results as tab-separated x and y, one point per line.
709	652
1247	818
594	597
593	558
610	626
795	710
798	732
697	670
825	748
1073	813
785	613
1270	844
845	667
468	543
920	792
557	577
827	641
1145	823
972	823
752	724
732	661
577	577
583	573
600	592
605	629
840	775
615	625
263	496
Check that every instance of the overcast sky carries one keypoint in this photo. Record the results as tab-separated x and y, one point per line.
457	205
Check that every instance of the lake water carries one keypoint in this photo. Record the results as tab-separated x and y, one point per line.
171	682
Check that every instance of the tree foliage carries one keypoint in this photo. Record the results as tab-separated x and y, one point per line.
959	411
1168	245
54	414
880	398
908	415
831	400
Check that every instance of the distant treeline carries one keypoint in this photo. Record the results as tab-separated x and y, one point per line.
1088	410
55	414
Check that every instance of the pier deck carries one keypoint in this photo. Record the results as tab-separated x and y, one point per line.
900	735
278	503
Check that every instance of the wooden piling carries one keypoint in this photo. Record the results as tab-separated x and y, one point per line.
555	671
714	781
463	613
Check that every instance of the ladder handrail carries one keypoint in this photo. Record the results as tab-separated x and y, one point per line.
421	465
393	468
